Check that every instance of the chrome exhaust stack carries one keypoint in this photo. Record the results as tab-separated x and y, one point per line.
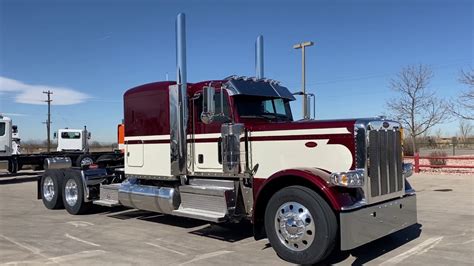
259	57
178	103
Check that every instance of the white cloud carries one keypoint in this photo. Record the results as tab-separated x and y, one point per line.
33	94
14	114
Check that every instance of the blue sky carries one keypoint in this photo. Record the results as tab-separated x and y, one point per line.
91	52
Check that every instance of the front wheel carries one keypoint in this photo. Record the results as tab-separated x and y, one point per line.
300	225
73	193
83	160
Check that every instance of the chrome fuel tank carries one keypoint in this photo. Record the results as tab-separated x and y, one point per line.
149	198
57	163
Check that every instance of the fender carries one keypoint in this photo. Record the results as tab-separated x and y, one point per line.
314	178
318	178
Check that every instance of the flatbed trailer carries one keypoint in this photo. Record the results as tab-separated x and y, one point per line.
16	162
72	150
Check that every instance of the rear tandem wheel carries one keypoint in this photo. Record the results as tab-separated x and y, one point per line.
51	189
73	193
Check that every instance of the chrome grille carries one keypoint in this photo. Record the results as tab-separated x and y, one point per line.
385	162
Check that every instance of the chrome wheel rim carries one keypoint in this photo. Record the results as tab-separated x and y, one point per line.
71	192
86	161
294	226
48	188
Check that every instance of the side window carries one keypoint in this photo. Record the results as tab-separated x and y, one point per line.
279	106
217	98
268	106
2	129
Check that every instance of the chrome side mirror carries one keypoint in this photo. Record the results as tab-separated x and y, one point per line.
208	105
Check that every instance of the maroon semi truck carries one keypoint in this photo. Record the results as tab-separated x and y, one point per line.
229	150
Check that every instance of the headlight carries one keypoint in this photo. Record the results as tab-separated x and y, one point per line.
352	178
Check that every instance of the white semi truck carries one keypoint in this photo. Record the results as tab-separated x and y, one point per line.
72	150
72	139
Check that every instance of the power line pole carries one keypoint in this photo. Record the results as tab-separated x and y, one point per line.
48	122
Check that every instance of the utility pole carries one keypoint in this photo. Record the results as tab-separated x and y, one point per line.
48	122
302	46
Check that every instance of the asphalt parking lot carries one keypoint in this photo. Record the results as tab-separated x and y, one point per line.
31	234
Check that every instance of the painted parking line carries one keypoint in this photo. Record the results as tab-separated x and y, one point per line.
60	259
206	256
421	248
166	249
79	223
31	249
81	240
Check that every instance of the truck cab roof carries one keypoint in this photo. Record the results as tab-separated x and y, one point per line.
235	84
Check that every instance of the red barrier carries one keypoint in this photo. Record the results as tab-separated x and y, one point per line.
417	165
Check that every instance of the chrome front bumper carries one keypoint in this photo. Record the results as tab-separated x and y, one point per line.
367	224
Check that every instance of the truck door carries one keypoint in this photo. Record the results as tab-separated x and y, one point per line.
134	153
206	150
5	136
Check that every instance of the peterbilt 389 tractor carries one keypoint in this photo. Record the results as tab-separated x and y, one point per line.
229	150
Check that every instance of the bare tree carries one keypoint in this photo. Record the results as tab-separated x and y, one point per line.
417	108
463	106
465	130
467	77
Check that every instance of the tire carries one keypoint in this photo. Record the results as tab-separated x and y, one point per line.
73	193
51	189
82	159
312	235
13	166
105	159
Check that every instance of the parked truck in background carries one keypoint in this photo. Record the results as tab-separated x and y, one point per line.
72	149
229	150
72	139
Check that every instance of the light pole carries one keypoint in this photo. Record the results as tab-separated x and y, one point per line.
302	47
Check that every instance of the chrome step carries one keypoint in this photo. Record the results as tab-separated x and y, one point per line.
200	214
208	200
211	182
108	195
109	192
205	190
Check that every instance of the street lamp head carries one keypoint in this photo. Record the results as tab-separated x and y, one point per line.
303	44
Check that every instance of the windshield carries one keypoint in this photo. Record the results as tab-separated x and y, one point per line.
265	108
70	135
2	129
